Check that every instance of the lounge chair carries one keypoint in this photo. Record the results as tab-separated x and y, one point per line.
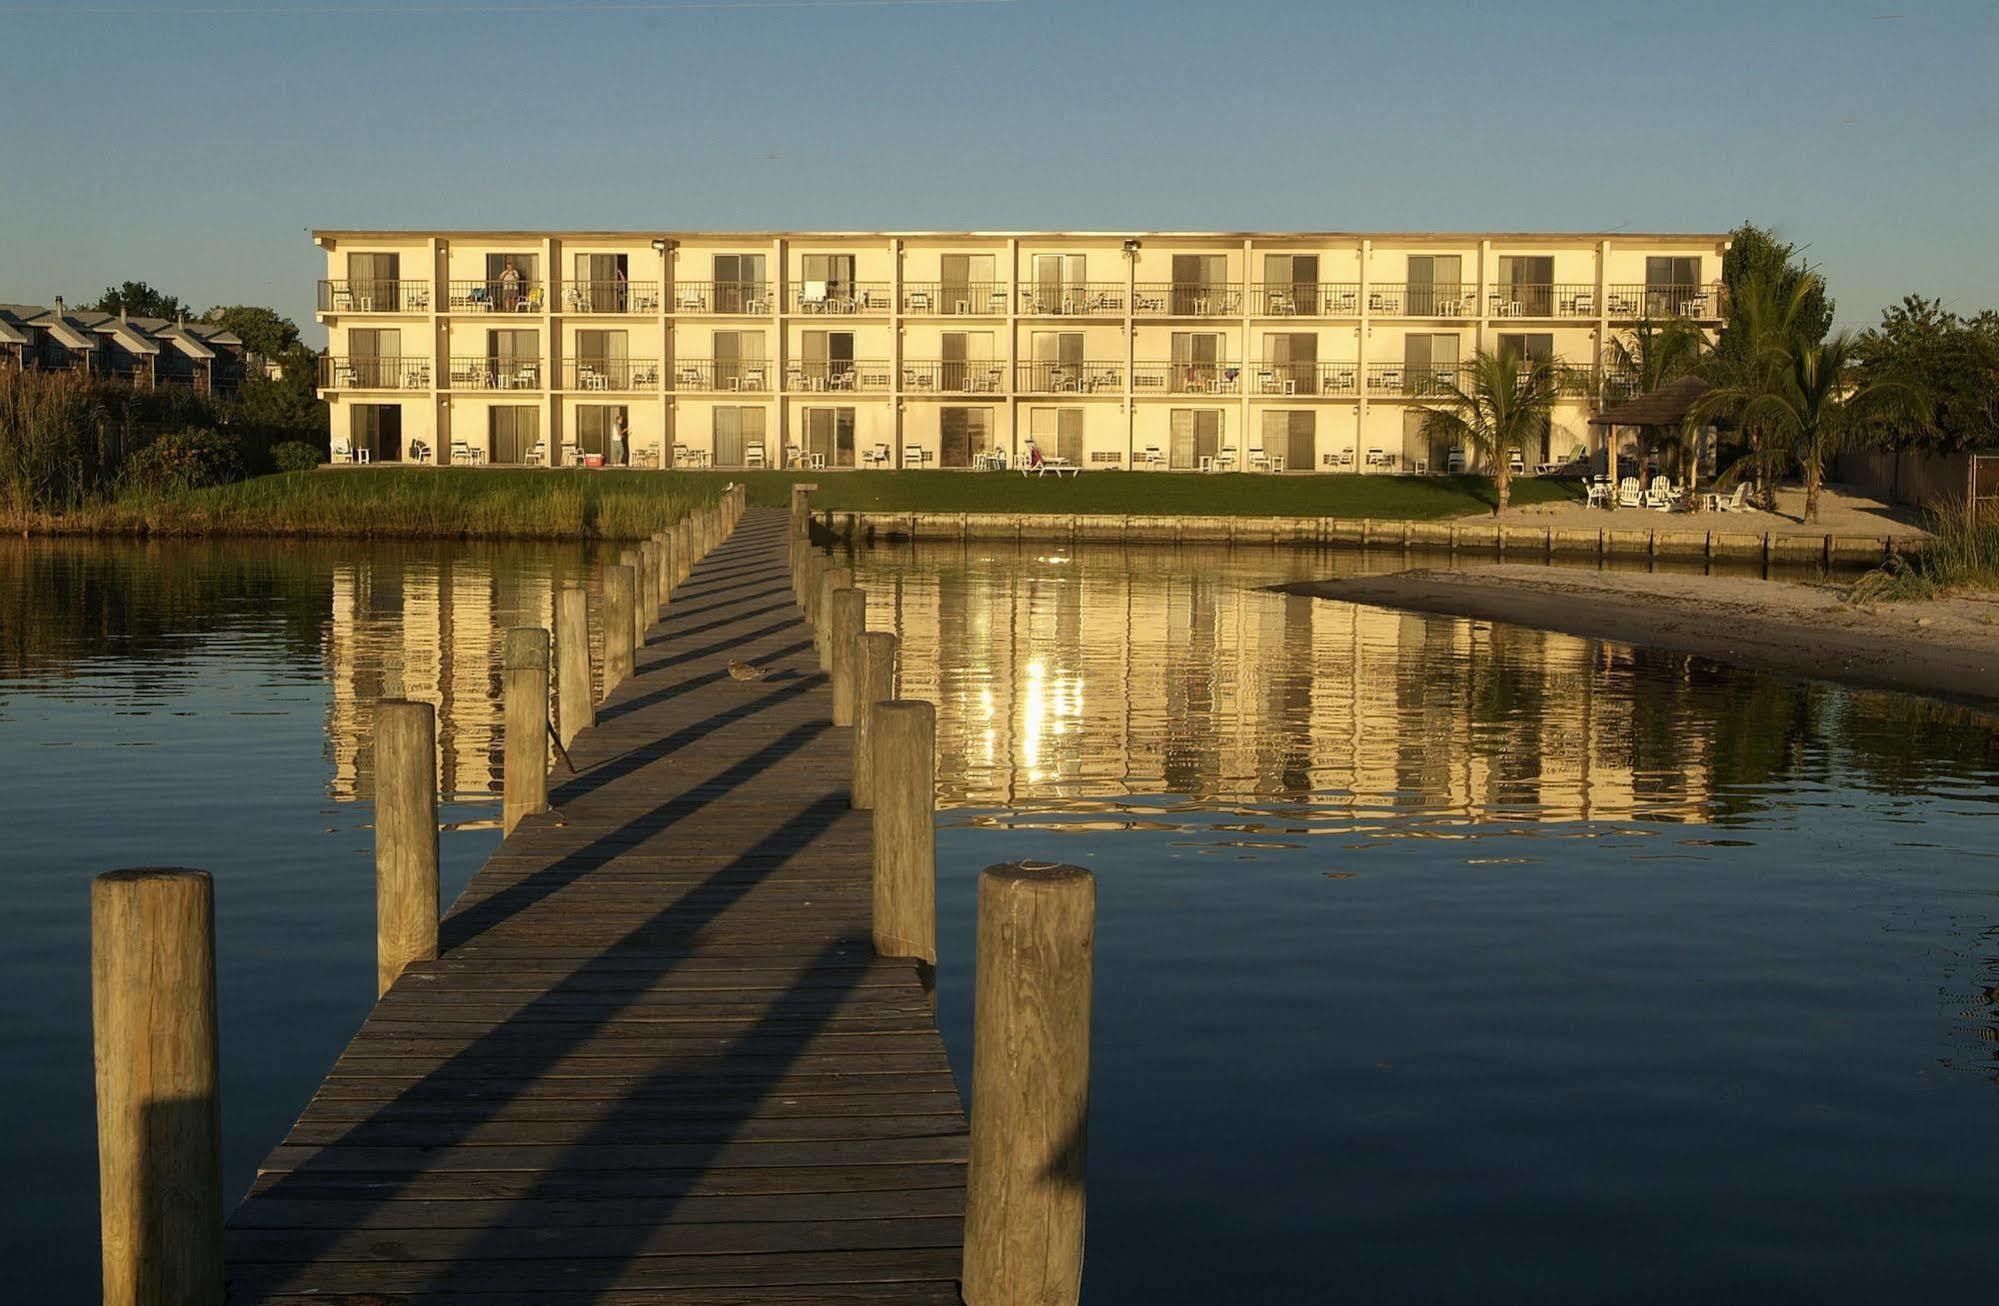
1629	495
1734	501
1660	495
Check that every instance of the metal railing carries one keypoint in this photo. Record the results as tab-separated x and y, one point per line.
1402	379
610	373
610	297
1186	378
728	377
1186	299
496	373
1433	299
1294	299
1696	301
955	376
1552	299
869	376
955	298
1074	299
350	373
498	296
723	298
843	298
1069	378
1315	378
374	296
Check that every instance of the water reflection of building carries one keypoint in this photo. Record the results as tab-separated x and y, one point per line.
427	628
1112	674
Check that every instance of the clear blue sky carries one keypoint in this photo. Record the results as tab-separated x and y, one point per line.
191	144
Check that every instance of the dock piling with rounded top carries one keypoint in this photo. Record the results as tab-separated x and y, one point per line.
573	708
663	579
904	738
159	1135
619	582
874	682
1030	1085
406	894
524	684
849	621
831	581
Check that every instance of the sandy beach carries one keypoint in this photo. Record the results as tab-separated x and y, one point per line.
1947	647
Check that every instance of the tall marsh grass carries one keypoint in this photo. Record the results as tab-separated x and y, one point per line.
1963	555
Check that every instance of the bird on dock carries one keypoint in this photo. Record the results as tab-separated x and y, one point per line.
739	670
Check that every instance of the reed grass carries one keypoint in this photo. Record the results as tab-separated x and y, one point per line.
1962	554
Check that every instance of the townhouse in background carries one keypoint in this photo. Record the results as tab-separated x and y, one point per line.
1286	352
147	352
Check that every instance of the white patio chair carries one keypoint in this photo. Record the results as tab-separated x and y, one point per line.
1660	495
1629	494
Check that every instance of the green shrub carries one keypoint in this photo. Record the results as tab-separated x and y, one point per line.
185	460
295	456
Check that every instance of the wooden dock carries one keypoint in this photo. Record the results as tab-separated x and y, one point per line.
657	1059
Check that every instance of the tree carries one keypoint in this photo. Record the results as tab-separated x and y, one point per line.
284	407
1771	316
137	299
1757	255
1653	353
264	332
1504	407
1953	360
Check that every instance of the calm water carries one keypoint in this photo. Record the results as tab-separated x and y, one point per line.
1437	961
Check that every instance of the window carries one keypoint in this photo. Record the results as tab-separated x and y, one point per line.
376	357
829	358
1434	279
513	431
602	354
1294	278
829	433
964	434
1199	282
1536	347
1526	285
1290	435
1058	431
510	278
967	356
1058	279
739	360
1669	283
1196	434
373	280
1293	359
600	283
1058	360
1197	359
594	426
736	430
739	283
1430	361
378	428
967	283
514	358
827	277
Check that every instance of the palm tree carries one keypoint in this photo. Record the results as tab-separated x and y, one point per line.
1770	317
1502	407
1654	353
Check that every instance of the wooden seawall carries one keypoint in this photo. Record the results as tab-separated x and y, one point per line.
657	1059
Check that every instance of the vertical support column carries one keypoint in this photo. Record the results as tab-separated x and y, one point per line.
663	590
874	683
524	684
1364	340
636	617
905	836
1030	1085
683	550
406	896
831	581
619	582
159	1128
849	621
573	708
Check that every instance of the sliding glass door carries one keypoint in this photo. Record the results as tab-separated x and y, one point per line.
1196	434
829	433
740	283
512	432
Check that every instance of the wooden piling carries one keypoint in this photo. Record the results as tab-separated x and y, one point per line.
635	618
874	683
406	896
159	1130
905	837
846	624
524	685
1030	1085
619	581
831	581
573	707
663	575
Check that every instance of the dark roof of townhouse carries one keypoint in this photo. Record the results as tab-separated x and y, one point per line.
1666	406
153	333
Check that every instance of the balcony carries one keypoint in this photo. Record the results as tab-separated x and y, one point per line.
844	376
1070	378
954	376
1315	378
1186	378
610	374
1186	299
954	298
1074	299
841	298
498	296
374	296
726	376
1426	299
1401	379
610	297
1542	300
1695	302
722	298
350	373
496	373
1290	299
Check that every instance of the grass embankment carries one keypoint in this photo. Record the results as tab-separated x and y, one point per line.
497	503
1962	554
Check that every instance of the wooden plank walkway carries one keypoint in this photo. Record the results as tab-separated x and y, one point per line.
658	1060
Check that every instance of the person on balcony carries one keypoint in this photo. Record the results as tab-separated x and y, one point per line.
510	287
617	458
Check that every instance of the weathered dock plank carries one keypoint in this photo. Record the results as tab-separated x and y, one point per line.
657	1060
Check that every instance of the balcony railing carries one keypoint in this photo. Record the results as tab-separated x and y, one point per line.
610	297
1403	379
1553	299
350	373
955	298
845	298
498	296
874	376
955	376
1430	299
1291	299
496	374
610	373
1074	299
374	296
1186	299
1186	378
724	375
1070	378
1317	378
1698	302
723	298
